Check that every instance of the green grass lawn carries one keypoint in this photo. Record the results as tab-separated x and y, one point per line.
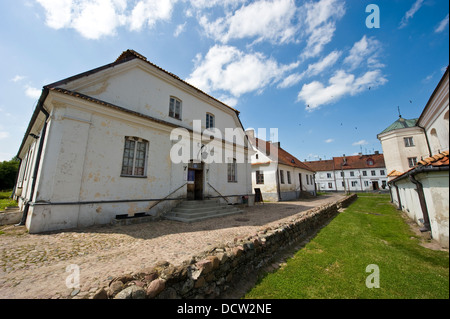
5	200
333	264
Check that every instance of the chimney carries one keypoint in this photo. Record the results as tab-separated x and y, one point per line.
377	152
277	144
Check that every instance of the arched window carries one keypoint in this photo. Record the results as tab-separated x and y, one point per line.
436	145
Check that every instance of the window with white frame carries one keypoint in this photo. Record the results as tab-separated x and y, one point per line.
134	157
374	173
408	141
328	175
175	108
354	183
210	120
232	171
281	176
412	161
288	177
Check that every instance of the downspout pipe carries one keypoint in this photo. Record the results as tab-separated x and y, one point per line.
40	108
426	219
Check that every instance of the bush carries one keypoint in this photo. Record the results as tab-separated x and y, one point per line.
8	173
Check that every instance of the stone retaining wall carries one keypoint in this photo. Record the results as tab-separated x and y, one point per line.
211	274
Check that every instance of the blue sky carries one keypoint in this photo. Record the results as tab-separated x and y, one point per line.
312	69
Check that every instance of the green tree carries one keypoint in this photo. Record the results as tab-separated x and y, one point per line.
8	173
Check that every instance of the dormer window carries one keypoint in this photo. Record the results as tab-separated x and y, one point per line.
370	162
210	121
175	108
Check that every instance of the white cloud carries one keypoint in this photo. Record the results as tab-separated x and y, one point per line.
315	94
320	24
361	142
150	12
313	69
410	13
226	68
18	78
3	135
94	19
291	80
325	63
366	49
205	4
330	140
442	25
180	29
262	20
32	92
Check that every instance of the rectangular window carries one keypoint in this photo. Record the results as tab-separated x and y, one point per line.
175	108
364	173
328	175
307	179
281	176
209	120
330	185
134	157
382	172
232	172
354	183
412	161
259	177
373	173
342	174
352	173
366	183
408	141
288	177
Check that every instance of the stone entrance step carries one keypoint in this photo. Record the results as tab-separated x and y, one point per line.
196	210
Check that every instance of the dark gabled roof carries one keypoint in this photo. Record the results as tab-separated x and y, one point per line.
126	56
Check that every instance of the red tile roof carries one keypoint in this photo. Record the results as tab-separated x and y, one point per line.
440	159
348	162
284	157
437	160
322	165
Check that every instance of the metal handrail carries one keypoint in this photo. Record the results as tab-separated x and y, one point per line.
161	200
218	192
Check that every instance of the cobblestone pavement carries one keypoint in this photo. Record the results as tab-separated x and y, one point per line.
38	265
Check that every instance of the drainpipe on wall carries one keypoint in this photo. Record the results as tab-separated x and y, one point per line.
36	166
423	204
426	139
398	197
278	184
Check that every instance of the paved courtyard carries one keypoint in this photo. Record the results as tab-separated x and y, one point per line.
34	265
